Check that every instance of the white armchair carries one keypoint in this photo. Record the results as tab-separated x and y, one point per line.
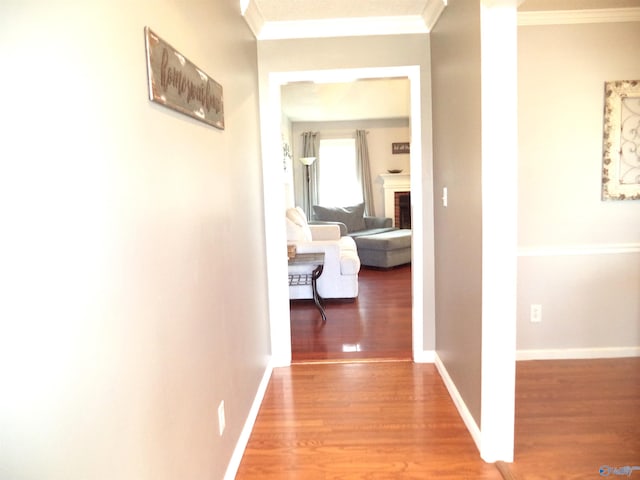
339	277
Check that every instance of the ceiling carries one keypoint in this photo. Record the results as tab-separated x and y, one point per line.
369	99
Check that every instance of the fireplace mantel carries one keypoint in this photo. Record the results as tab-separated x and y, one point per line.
393	180
392	183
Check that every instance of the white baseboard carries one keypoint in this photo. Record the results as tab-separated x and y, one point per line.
425	356
577	353
238	451
464	412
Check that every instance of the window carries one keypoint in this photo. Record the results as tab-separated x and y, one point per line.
338	184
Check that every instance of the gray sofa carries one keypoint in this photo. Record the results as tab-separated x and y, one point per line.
351	220
379	243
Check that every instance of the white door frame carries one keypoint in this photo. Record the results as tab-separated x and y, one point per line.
274	205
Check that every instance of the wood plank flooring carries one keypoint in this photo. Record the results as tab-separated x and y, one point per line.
395	420
360	421
575	416
377	325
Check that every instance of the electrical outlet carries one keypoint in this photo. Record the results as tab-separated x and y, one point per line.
221	420
536	313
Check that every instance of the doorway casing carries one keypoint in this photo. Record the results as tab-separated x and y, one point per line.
274	204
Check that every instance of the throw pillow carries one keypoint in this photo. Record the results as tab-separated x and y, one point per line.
352	217
296	215
298	220
295	233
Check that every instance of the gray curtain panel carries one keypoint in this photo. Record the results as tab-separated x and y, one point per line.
310	148
363	170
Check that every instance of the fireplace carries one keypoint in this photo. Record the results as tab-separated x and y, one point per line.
402	209
399	211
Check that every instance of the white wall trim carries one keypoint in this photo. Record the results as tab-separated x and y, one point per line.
432	12
568	17
253	16
577	353
278	291
343	27
458	401
566	250
241	444
499	98
425	356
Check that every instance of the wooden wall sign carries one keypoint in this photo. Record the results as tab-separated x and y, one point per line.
177	83
402	147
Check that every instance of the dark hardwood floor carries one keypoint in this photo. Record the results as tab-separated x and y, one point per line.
376	326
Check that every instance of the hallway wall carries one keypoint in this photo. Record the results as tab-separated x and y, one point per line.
125	261
579	255
457	157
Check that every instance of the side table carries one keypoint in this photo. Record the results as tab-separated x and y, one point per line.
316	262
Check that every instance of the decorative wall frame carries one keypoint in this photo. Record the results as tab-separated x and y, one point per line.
621	142
400	147
178	84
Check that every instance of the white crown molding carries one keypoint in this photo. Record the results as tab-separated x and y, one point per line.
569	17
343	27
501	3
432	12
253	16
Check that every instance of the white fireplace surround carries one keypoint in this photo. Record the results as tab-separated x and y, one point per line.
392	183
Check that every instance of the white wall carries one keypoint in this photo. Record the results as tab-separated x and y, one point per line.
571	261
382	133
132	278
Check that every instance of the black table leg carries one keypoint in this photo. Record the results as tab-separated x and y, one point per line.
316	297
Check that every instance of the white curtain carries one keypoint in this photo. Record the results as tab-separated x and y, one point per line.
363	170
310	148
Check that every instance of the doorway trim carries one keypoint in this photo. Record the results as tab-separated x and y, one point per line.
275	204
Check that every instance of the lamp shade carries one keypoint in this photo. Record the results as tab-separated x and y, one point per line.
307	160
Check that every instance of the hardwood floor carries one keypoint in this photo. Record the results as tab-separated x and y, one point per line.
395	420
575	416
376	326
360	421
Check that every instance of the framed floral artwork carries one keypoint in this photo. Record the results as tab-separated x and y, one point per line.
621	142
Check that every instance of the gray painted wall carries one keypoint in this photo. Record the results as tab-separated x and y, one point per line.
455	51
570	262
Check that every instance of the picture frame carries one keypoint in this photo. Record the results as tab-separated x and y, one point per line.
176	83
400	147
621	141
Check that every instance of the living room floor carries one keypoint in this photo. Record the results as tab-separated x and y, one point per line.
376	326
